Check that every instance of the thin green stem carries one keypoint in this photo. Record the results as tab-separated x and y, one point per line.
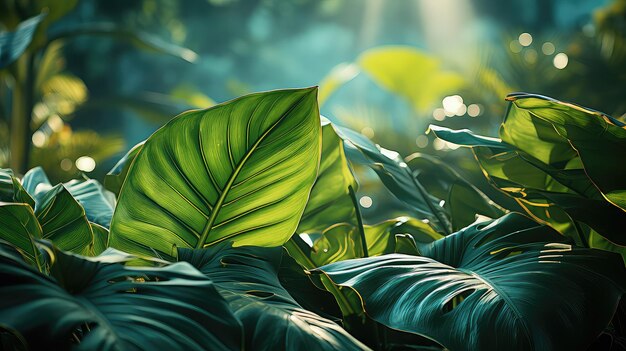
444	222
359	220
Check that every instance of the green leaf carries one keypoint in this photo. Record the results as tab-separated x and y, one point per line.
98	202
396	176
566	133
115	178
410	73
100	304
19	227
343	242
537	164
272	319
240	171
462	200
140	39
63	221
499	278
11	190
100	238
329	201
13	44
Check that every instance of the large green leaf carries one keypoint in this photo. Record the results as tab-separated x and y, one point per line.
509	284
538	165
100	304
13	44
564	135
240	171
396	176
19	227
410	73
462	200
272	319
329	201
115	178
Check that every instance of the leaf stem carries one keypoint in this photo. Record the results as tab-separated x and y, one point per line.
444	222
359	220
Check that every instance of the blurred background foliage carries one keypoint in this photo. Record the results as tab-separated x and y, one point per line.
99	76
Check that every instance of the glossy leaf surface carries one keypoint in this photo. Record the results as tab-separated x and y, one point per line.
240	171
491	287
247	278
100	304
329	201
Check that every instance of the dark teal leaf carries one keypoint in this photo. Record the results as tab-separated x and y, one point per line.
510	278
13	44
247	278
100	304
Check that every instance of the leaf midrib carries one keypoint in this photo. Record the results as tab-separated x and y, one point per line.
218	205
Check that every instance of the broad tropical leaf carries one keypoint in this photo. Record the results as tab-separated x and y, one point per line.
100	304
329	201
13	44
396	176
570	137
491	286
462	200
19	227
63	221
272	319
240	171
411	74
115	178
538	165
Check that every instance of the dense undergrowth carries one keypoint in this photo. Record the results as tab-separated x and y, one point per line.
238	227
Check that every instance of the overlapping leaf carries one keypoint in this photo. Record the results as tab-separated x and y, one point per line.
20	228
240	171
247	278
343	242
560	162
462	200
492	286
396	176
329	201
100	304
115	178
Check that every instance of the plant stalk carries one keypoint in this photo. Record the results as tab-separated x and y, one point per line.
359	220
443	221
22	107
